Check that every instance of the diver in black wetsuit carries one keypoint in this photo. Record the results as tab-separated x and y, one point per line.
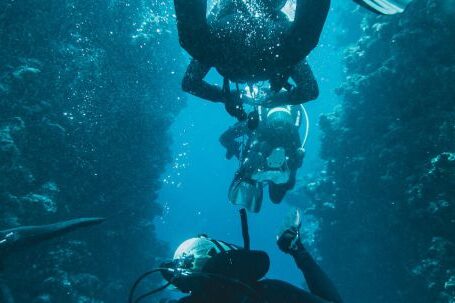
247	42
271	155
215	271
253	40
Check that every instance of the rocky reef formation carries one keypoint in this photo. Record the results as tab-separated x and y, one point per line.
87	93
387	196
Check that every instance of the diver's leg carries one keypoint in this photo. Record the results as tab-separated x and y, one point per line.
192	26
277	192
310	17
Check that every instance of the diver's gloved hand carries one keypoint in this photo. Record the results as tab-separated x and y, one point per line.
289	240
234	107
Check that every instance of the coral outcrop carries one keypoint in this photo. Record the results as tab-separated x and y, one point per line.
387	196
87	93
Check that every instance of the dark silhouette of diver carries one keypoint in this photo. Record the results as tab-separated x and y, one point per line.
247	42
216	271
271	154
253	40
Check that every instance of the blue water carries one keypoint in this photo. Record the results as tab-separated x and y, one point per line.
194	193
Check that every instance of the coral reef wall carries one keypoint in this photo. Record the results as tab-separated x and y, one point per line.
387	197
88	90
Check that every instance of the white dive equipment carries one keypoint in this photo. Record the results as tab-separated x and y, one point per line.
277	158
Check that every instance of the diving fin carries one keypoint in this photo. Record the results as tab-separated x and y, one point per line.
22	237
246	193
385	7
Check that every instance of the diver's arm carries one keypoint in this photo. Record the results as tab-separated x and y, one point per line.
192	27
310	17
318	282
193	83
306	88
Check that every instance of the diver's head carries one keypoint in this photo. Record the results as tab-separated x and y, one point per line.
280	117
201	263
273	5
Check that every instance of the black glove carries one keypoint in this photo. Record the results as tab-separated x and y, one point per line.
289	240
234	107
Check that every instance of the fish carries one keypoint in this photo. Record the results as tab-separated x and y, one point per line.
23	237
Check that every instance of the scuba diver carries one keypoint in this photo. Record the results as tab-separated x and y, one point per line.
272	154
248	41
216	271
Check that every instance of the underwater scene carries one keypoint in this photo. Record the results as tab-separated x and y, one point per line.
238	151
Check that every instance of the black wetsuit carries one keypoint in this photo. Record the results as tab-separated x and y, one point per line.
249	48
246	48
321	288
